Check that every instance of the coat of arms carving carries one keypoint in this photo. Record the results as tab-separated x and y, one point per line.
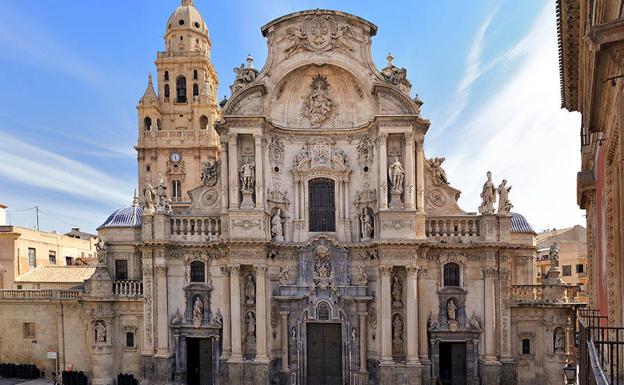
318	33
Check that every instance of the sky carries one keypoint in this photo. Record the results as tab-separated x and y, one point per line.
73	71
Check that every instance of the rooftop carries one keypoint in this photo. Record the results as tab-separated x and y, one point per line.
57	274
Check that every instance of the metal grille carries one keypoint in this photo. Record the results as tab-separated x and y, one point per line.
601	349
322	205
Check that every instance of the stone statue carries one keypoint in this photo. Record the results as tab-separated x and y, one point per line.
250	290
302	159
559	340
318	107
244	75
150	197
276	226
438	172
360	278
177	318
366	224
474	322
397	334
504	205
161	191
284	275
250	338
100	248
451	310
198	312
488	196
395	75
553	253
100	332
322	274
397	290
397	174
433	321
248	176
210	173
217	319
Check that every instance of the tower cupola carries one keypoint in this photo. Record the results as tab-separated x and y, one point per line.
186	30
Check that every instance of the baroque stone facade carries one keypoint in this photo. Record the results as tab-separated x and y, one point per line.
318	244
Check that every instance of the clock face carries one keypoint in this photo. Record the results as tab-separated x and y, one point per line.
175	157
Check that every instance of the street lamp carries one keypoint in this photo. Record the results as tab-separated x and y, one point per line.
569	370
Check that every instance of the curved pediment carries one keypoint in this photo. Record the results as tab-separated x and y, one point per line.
393	102
248	101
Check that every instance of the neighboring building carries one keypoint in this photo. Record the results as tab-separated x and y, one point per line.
572	243
301	238
23	249
3	219
54	277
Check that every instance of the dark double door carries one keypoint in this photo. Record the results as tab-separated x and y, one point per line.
324	354
199	361
452	363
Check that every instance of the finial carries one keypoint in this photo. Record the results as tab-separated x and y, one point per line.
250	61
390	58
149	78
187	2
135	199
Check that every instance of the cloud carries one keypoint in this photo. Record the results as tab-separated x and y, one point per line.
520	133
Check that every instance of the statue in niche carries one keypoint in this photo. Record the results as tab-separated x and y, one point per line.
210	172
100	331
365	150
438	172
250	321
559	340
488	196
250	290
397	334
553	253
198	312
150	197
397	289
504	205
366	224
317	106
397	174
276	226
248	176
451	310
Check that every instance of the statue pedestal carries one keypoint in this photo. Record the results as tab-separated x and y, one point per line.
395	200
247	202
553	277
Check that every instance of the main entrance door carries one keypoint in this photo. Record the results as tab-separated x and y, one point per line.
199	370
453	363
324	350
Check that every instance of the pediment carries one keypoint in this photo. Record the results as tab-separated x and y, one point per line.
392	102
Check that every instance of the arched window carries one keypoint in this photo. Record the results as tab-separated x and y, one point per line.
195	89
158	124
322	205
176	190
180	89
203	122
451	274
198	272
167	91
129	339
166	75
322	311
195	71
147	123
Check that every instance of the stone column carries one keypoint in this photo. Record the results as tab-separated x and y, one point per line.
412	314
162	349
489	324
233	173
224	175
363	340
386	315
420	175
259	168
383	171
148	306
296	198
409	171
227	341
235	302
422	316
284	315
261	328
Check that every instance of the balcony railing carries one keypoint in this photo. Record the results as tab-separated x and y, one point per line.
40	294
527	293
196	229
128	288
601	350
452	227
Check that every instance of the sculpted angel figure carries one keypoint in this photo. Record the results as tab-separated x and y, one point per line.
100	331
248	176
297	38
438	171
504	205
488	196
553	253
150	196
397	174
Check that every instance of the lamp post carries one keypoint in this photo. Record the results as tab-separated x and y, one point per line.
569	371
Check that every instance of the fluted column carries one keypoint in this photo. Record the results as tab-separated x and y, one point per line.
422	317
227	327
489	273
236	313
233	171
162	349
383	170
259	170
261	300
284	315
386	314
412	314
420	175
224	175
363	340
409	171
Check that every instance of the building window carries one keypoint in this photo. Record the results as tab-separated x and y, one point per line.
195	74
176	190
567	270
166	75
70	261
180	89
526	346
322	205
121	269
166	91
198	272
580	269
52	257
203	122
147	123
195	89
32	257
29	330
451	274
129	339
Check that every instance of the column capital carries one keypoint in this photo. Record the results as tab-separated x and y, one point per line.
225	270
161	270
260	269
234	269
284	313
413	271
383	135
385	271
231	137
257	138
489	272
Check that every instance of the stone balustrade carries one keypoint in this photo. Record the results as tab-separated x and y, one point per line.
559	293
128	288
453	227
527	293
40	294
196	229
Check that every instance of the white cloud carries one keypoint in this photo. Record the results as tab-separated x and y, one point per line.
520	133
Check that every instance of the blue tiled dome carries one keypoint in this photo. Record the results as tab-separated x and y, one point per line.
519	224
124	217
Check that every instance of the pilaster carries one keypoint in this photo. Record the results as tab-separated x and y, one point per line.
261	314
235	306
383	170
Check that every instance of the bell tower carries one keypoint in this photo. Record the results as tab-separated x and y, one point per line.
176	122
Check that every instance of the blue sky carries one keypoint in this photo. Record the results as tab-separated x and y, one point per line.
73	71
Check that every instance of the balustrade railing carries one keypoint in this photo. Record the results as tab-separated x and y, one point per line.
527	293
464	226
40	294
196	229
128	288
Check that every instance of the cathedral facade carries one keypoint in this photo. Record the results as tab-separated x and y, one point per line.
296	233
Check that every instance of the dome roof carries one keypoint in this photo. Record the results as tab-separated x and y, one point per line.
186	17
519	224
124	217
